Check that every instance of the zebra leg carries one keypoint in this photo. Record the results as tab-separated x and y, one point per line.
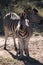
20	49
17	45
6	36
14	42
21	54
26	49
26	52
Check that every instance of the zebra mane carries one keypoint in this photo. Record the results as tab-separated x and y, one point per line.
13	15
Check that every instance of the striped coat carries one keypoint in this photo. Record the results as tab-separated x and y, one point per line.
11	20
24	34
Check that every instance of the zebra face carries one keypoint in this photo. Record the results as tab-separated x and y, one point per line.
22	24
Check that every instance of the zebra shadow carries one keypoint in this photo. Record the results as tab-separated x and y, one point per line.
29	61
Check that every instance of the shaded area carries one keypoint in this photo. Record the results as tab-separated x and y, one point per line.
26	61
38	3
1	28
1	25
37	27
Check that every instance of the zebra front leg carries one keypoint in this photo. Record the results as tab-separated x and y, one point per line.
27	52
21	54
26	49
20	49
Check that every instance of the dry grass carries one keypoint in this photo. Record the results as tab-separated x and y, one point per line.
35	51
41	12
9	61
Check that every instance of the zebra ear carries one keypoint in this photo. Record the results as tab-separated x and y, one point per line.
18	27
35	10
27	22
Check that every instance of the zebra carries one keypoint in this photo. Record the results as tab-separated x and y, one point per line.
24	34
11	20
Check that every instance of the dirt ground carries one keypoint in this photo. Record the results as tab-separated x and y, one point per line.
8	57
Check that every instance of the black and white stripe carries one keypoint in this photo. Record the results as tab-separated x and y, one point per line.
24	33
11	20
24	30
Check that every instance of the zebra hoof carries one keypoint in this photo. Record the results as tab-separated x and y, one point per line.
18	54
20	57
4	48
27	56
16	48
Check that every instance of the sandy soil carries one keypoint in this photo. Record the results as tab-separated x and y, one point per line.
8	57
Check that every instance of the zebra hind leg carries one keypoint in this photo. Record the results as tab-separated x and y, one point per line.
5	43
5	46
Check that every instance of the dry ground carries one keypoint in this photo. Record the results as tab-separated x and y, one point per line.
8	57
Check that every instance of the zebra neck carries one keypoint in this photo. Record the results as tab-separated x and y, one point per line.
23	34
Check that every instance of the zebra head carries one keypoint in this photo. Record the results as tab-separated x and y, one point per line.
23	24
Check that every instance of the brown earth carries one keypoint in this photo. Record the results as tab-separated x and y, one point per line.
8	57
